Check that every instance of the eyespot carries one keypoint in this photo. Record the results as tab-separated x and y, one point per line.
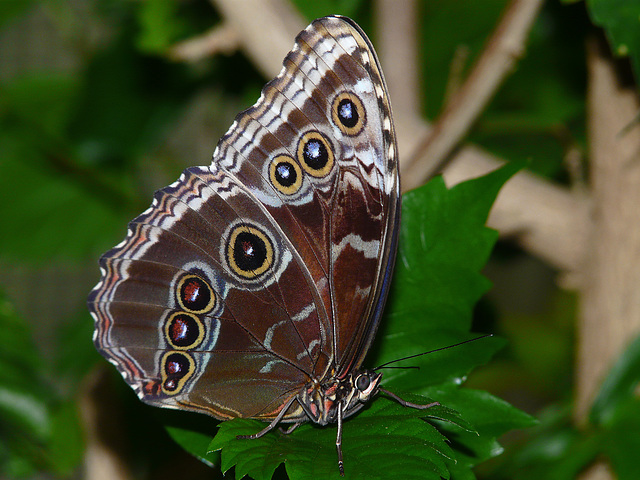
285	174
183	330
315	154
249	251
362	382
348	113
175	368
195	295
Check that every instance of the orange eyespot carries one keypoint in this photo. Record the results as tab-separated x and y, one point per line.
249	251
315	154
183	331
175	370
195	295
348	113
285	174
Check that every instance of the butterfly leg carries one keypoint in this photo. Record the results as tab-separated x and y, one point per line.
339	441
272	425
287	431
404	403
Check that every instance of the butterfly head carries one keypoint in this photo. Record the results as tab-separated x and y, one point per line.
362	386
321	401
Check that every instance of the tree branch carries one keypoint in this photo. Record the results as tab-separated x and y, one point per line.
266	29
609	301
555	229
396	35
504	47
220	39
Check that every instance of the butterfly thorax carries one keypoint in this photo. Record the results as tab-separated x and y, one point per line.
321	401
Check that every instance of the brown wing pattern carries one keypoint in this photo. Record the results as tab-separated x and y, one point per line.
247	279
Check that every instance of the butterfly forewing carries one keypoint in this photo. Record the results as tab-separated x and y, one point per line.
365	208
246	280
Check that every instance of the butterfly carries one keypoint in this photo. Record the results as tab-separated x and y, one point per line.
254	287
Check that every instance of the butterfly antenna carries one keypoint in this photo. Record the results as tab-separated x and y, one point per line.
385	365
401	367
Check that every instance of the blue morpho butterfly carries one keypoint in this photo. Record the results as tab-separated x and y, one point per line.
254	287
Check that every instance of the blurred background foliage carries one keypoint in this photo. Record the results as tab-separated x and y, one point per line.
94	117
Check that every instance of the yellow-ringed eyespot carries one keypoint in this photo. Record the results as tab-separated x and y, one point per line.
315	154
183	330
348	113
175	370
285	174
249	251
195	295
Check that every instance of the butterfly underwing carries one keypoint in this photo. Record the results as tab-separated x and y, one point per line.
253	287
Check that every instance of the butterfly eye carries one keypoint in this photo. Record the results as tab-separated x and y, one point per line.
184	330
348	113
363	382
315	154
285	174
195	295
176	368
249	251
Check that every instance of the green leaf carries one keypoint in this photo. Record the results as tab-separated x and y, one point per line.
621	442
9	9
616	412
67	443
490	416
195	442
444	366
59	217
23	400
192	431
444	244
619	386
25	417
559	451
160	25
384	441
555	450
621	22
40	104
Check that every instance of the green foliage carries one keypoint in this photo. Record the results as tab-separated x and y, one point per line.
451	30
383	439
160	26
537	117
322	8
38	431
443	246
9	9
75	141
621	22
25	419
558	450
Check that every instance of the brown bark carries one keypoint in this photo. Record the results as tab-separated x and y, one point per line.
505	46
397	36
610	294
266	29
